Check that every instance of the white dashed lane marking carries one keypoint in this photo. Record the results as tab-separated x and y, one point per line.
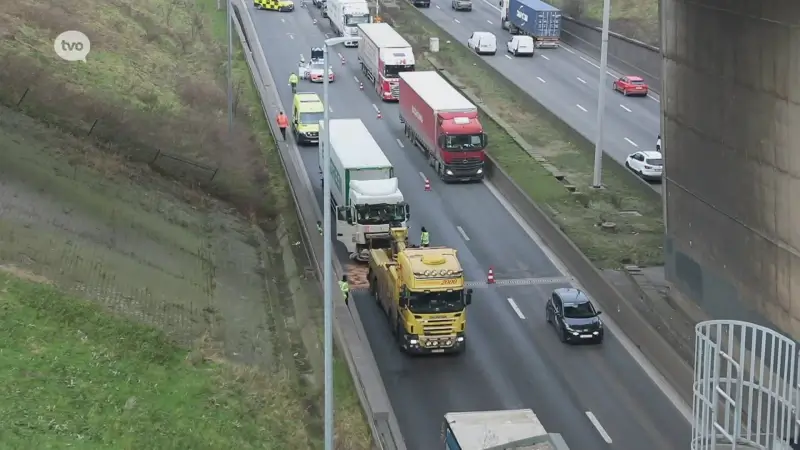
516	308
631	142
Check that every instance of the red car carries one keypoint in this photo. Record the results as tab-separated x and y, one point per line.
631	85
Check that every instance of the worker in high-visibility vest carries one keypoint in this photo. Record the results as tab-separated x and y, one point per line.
293	81
345	287
425	239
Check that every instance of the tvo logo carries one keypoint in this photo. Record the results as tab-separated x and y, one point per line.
522	15
417	114
72	46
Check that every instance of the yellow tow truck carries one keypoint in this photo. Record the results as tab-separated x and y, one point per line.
423	293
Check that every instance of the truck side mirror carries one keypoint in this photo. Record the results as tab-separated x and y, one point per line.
485	140
468	297
350	215
408	212
441	141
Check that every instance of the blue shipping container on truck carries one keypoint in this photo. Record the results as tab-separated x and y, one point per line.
535	18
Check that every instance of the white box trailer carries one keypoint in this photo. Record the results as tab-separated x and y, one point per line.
383	54
498	430
365	194
346	15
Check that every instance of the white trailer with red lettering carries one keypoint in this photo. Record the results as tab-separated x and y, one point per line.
383	54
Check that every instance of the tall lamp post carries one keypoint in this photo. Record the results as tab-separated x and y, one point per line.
327	253
601	99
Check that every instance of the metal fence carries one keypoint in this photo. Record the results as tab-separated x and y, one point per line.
745	387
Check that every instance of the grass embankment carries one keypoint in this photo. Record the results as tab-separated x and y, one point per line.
79	210
637	19
71	376
638	237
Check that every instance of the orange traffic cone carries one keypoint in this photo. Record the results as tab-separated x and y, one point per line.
427	184
379	115
360	86
490	277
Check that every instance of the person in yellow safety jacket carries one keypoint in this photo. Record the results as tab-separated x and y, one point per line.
293	81
345	287
425	239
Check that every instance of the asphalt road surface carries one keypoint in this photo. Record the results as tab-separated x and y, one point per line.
599	397
564	80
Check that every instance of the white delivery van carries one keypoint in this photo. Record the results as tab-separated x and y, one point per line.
520	45
483	43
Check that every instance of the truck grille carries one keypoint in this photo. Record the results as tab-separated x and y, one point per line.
438	327
395	90
465	164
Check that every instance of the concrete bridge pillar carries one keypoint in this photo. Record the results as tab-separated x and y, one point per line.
731	133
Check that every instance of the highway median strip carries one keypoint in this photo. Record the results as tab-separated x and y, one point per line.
615	226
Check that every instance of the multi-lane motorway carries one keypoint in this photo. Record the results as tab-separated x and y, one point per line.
564	80
599	397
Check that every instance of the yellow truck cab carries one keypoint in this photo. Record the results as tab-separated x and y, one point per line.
274	5
423	293
307	112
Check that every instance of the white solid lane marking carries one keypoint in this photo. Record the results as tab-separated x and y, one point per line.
581	108
545	57
590	62
654	99
631	142
516	308
509	57
463	233
625	108
489	21
491	4
609	72
375	108
456	21
422	175
660	381
599	427
541	79
581	80
568	49
400	143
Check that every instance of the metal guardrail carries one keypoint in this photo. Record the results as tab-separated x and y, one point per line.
349	331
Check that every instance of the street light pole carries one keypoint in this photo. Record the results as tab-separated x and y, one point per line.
327	252
230	68
597	182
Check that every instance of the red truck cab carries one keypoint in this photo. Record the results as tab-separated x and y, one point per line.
444	124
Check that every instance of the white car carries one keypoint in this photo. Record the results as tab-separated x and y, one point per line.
315	71
648	165
483	43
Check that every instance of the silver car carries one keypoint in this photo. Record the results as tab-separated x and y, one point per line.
461	5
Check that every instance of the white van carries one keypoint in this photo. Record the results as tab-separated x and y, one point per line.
483	43
520	46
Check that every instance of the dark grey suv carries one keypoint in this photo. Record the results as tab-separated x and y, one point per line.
574	316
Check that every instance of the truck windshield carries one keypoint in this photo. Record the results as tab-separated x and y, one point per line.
311	118
394	71
352	21
380	214
464	142
435	302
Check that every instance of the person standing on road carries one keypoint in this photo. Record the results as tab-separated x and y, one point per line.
345	287
293	82
283	123
319	228
425	239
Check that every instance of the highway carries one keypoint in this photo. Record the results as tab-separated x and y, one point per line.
599	397
564	80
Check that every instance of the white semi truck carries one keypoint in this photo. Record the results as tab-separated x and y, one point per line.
498	430
384	54
346	15
365	194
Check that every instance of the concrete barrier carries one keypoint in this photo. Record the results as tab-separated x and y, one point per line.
349	332
629	56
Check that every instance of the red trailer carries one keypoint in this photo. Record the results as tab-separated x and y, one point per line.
444	125
384	54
